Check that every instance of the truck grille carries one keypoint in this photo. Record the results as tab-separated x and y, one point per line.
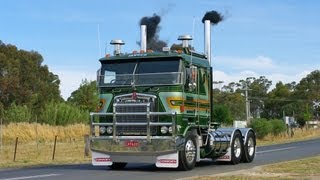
134	107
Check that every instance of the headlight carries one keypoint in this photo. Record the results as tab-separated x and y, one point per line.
170	129
102	130
164	129
109	130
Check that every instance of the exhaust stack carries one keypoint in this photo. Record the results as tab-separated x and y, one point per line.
185	40
207	39
117	46
143	36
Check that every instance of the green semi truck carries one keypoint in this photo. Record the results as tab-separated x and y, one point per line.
156	107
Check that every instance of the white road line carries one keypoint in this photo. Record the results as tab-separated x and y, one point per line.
273	150
31	177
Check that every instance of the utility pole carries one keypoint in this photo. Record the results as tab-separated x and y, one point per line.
247	104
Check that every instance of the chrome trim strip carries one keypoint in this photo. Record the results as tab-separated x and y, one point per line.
131	137
130	104
138	94
134	124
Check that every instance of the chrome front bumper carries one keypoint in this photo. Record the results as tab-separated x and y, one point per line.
135	145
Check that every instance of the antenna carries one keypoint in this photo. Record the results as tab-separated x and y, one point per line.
193	27
99	45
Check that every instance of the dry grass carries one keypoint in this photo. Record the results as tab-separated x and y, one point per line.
42	132
308	168
299	134
36	142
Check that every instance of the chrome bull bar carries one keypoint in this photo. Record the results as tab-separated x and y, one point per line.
148	124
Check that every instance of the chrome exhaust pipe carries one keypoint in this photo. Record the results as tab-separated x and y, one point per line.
207	39
143	36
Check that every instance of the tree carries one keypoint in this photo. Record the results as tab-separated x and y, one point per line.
258	89
86	96
307	91
24	80
276	100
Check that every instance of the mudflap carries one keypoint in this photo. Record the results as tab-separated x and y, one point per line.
100	159
226	157
168	161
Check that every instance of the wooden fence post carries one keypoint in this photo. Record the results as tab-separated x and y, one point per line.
15	149
86	145
54	147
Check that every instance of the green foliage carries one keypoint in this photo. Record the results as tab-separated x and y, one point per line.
62	114
235	102
307	116
275	103
261	126
278	126
86	96
17	113
301	121
24	80
221	114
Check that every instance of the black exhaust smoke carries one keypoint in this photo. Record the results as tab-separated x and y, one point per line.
213	16
153	29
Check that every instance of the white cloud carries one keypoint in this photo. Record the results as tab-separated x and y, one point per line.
259	62
233	69
274	77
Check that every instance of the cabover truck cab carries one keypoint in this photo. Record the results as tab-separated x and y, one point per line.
156	107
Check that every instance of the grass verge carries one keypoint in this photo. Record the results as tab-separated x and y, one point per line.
299	135
36	144
308	168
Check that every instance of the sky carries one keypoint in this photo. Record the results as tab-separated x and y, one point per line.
276	39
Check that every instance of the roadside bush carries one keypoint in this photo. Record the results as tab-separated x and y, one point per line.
278	126
261	126
62	114
16	113
222	114
301	121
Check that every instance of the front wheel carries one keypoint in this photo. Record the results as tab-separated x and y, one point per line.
236	148
187	156
249	148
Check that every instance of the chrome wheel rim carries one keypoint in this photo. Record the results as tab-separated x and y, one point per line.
250	146
237	148
190	151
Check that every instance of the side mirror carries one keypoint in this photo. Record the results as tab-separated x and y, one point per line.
191	77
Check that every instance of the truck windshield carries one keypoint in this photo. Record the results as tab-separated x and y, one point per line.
140	72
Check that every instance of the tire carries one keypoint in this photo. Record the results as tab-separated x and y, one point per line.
236	148
249	148
118	165
188	156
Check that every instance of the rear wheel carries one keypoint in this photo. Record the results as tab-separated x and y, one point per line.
236	148
118	165
249	148
187	156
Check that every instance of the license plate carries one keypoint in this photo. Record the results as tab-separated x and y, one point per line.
131	143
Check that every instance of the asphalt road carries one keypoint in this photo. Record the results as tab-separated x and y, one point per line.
265	155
